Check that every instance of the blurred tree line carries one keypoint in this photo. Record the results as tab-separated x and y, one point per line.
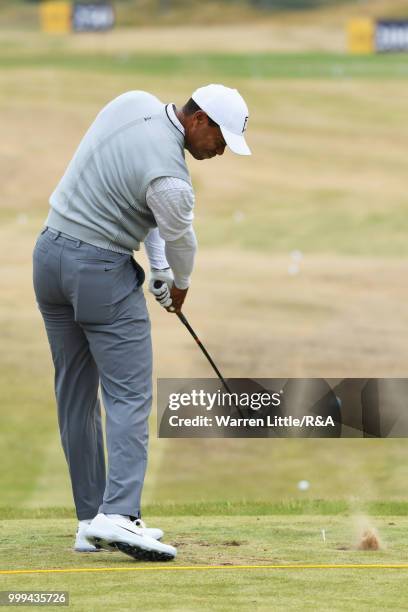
134	13
167	5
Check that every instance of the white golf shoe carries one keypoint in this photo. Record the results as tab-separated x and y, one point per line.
117	532
152	532
81	543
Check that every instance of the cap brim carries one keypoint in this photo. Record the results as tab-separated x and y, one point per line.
236	142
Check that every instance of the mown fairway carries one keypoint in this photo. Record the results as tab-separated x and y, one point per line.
231	545
328	177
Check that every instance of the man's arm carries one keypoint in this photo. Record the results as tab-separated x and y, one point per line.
180	255
171	201
155	250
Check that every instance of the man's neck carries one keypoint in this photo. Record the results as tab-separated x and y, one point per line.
180	117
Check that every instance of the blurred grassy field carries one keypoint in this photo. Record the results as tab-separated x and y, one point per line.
328	178
237	66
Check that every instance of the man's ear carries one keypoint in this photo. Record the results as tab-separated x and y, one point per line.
201	116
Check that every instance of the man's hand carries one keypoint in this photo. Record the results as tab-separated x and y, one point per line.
160	284
171	299
177	297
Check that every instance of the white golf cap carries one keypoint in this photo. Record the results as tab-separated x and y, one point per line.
227	108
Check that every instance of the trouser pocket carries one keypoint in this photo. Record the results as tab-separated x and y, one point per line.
100	285
140	273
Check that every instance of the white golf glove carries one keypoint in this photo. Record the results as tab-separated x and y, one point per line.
162	293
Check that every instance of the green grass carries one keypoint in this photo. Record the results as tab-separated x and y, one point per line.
303	227
226	542
286	508
245	66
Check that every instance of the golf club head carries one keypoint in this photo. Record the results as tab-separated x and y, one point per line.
315	398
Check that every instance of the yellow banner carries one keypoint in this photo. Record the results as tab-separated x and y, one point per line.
361	36
55	16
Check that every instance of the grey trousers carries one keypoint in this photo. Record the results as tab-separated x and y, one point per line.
98	329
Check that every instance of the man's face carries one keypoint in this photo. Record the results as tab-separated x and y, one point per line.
202	139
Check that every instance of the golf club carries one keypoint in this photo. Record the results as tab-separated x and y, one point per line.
183	319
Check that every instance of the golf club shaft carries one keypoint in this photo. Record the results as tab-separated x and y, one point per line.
186	324
204	350
206	353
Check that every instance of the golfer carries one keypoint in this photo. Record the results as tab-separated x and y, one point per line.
127	183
